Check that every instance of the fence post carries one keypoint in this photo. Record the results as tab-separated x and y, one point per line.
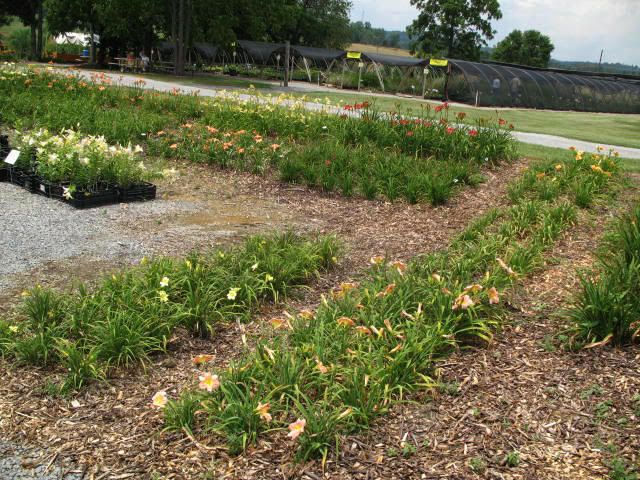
287	52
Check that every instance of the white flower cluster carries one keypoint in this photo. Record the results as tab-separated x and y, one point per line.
72	157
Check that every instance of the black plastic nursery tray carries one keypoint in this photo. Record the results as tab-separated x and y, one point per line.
21	178
141	191
103	195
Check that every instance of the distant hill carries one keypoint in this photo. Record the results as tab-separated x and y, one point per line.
363	47
365	33
595	67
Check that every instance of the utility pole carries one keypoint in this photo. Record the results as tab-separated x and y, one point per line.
287	53
600	62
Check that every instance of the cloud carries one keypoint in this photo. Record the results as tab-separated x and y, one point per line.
579	29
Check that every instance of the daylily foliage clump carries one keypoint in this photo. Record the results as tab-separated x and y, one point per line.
133	314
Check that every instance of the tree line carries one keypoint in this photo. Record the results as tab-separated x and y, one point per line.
443	28
126	24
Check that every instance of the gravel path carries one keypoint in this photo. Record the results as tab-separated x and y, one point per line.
22	463
36	229
209	91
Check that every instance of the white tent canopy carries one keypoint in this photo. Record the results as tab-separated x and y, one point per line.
75	38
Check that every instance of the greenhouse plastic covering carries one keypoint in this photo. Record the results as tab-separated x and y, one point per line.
260	52
512	86
394	60
206	50
316	54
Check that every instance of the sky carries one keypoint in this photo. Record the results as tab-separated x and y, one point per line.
579	29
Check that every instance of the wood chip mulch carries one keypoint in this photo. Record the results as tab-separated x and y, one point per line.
522	393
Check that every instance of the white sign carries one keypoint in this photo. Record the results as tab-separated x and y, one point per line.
12	158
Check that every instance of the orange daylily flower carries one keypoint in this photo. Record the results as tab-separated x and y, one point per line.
202	358
277	322
540	175
399	266
263	410
387	291
494	298
346	322
376	260
364	330
306	314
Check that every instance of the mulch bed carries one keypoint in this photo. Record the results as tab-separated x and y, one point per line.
520	394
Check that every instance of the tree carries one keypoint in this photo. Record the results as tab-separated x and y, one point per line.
529	48
453	28
31	13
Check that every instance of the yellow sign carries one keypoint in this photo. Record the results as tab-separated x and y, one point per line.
354	55
435	62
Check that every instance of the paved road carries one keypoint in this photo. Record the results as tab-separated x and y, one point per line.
211	91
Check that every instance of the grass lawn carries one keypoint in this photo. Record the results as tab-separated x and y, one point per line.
613	129
543	153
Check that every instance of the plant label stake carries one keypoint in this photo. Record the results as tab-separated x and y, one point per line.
12	158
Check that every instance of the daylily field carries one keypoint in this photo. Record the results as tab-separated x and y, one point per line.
413	298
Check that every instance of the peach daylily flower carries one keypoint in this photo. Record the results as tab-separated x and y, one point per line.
494	298
346	322
321	366
463	301
173	146
274	146
263	410
209	382
160	399
558	166
436	277
296	428
212	129
475	288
